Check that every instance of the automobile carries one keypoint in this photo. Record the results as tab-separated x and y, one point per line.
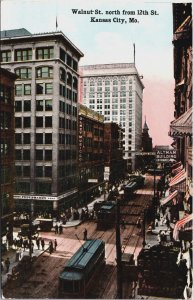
26	230
138	179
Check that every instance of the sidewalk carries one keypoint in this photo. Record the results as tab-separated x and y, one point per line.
14	259
152	238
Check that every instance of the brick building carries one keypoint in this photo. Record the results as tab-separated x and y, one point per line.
7	152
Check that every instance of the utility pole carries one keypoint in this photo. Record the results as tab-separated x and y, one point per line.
30	228
119	253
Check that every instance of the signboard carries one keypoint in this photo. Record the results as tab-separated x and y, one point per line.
106	175
93	180
165	155
107	169
80	138
145	153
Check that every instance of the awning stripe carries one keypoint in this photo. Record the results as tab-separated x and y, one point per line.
177	170
178	178
180	224
168	198
176	165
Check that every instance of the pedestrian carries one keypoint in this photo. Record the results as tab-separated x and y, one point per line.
85	234
42	244
15	243
38	243
139	223
32	247
50	247
123	223
24	244
60	229
56	229
7	264
55	244
2	266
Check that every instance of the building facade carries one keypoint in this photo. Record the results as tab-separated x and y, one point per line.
115	166
46	115
116	91
181	127
7	154
91	153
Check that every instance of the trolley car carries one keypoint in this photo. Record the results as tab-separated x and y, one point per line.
106	215
129	189
80	271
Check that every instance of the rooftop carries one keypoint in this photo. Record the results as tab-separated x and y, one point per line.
14	33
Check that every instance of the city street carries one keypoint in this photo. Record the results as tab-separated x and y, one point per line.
43	282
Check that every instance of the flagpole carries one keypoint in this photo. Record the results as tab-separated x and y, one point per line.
56	24
134	52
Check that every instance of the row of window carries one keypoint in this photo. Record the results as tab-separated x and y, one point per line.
5	145
25	122
6	93
5	120
108	100
40	154
108	94
40	53
41	88
45	187
107	82
68	93
41	105
107	89
67	108
67	124
67	139
40	171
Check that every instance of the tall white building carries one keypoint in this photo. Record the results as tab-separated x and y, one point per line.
116	91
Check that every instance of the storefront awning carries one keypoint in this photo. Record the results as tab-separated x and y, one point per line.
176	165
178	178
177	170
181	224
168	198
182	125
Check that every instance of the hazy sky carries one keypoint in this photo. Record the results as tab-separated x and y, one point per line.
112	42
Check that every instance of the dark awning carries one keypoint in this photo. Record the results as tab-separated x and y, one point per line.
182	125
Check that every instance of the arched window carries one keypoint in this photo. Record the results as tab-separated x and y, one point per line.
69	78
23	73
62	74
44	72
75	83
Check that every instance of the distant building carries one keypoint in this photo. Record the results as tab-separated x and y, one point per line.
115	165
90	154
116	91
46	115
7	153
146	139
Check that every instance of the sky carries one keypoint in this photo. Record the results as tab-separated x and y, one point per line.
112	42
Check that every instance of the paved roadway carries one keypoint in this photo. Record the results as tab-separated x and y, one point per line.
43	282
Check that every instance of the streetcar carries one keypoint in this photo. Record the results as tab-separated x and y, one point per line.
138	179
106	215
129	189
78	275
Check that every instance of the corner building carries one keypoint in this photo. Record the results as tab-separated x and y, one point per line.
46	116
116	91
